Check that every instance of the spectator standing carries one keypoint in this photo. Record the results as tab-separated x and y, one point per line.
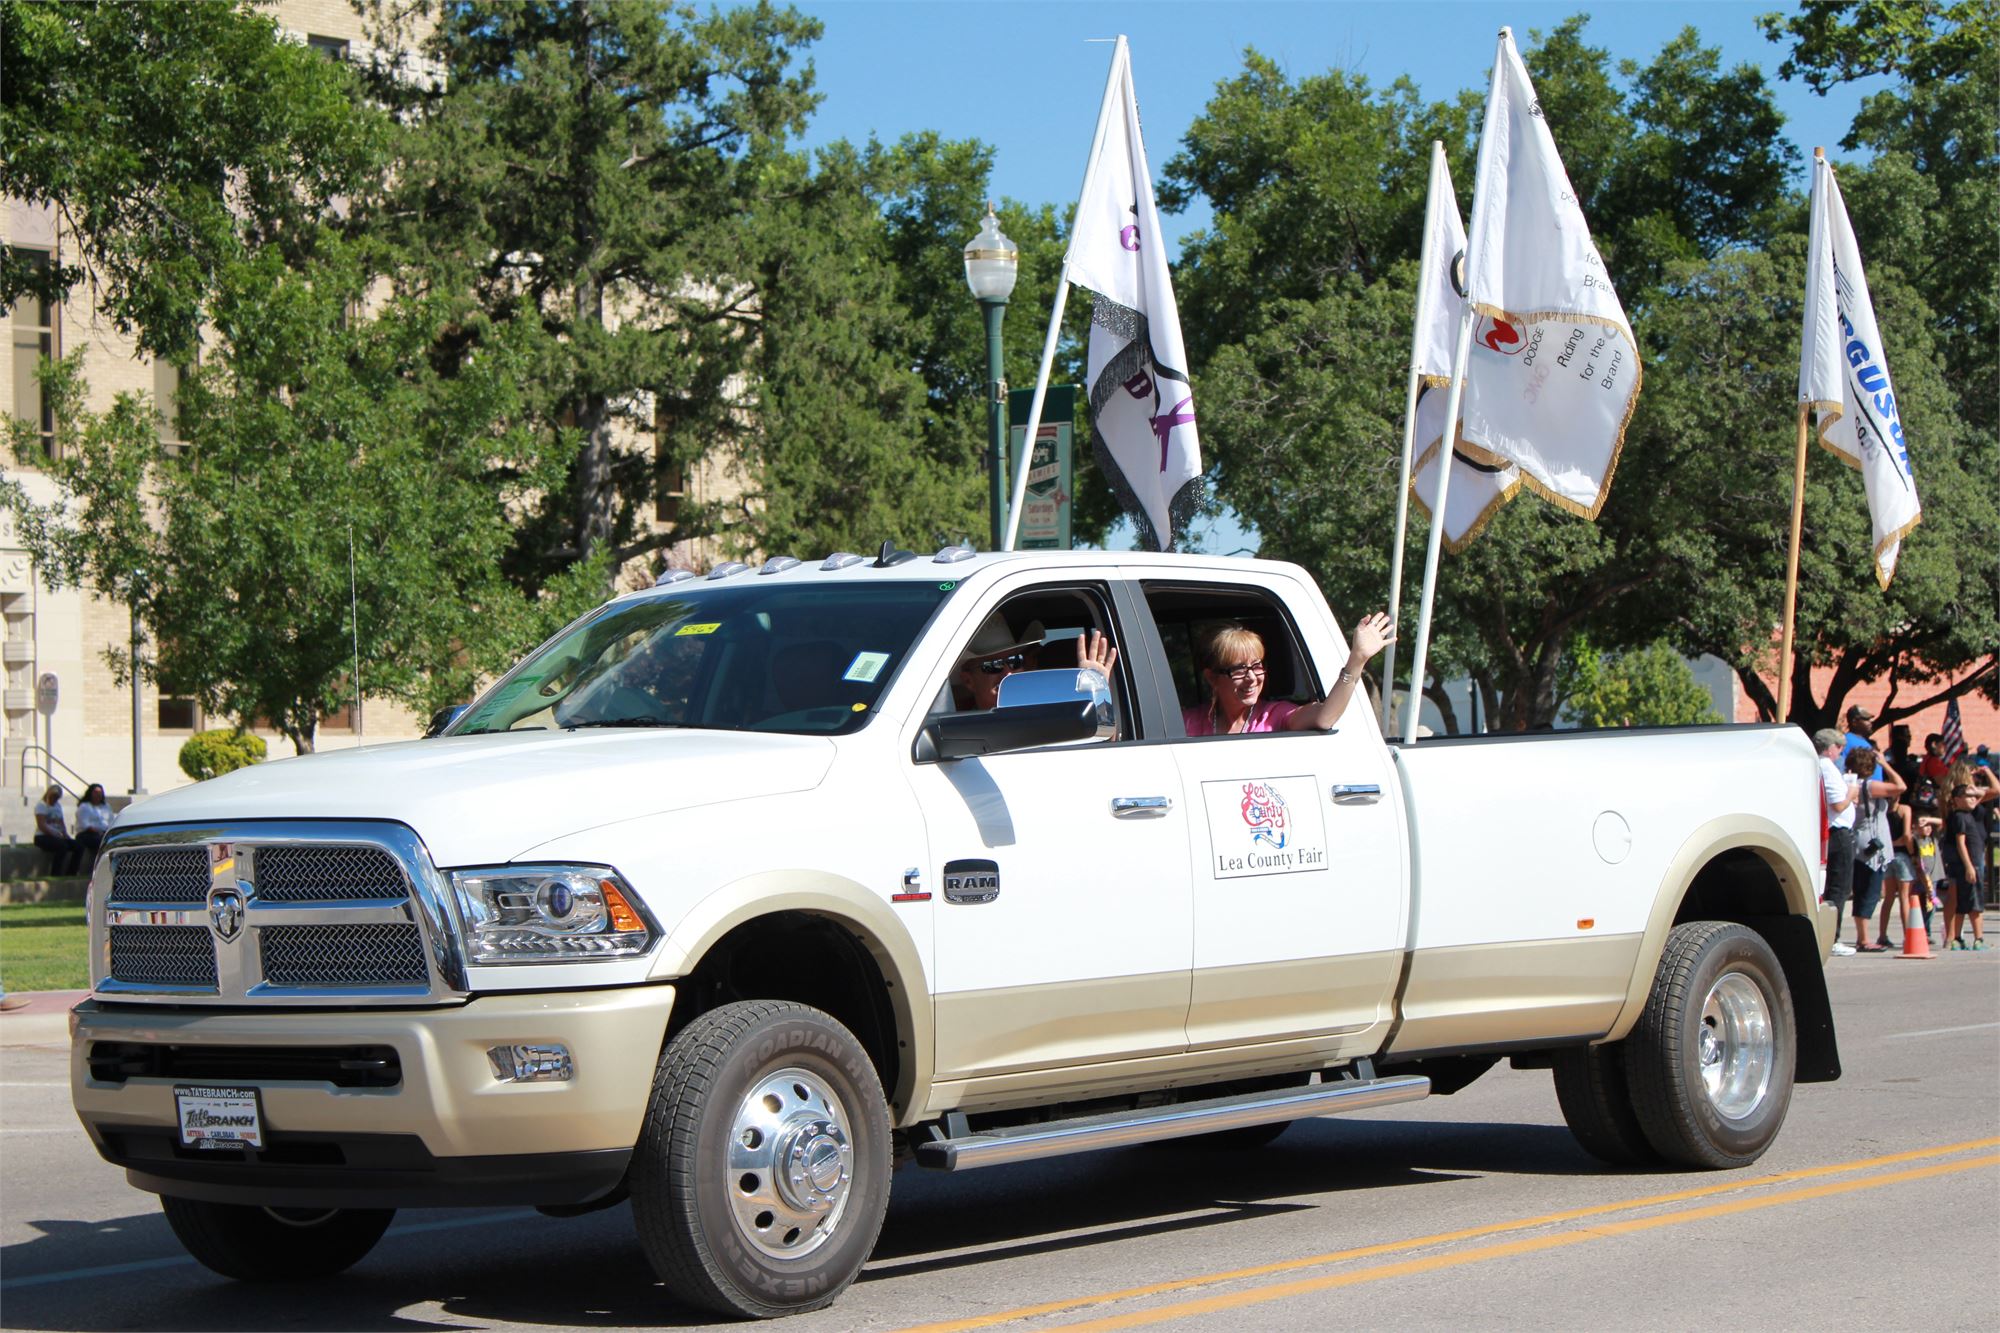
1933	767
1860	726
52	833
1899	881
93	822
1839	791
1965	853
1900	758
1873	849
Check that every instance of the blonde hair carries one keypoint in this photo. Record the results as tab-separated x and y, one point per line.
54	795
1228	641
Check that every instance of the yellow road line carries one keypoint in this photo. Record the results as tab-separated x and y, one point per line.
1432	1263
1442	1238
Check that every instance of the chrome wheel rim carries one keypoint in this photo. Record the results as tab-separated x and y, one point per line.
791	1164
1736	1045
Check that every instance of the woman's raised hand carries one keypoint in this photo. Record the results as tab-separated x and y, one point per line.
1373	634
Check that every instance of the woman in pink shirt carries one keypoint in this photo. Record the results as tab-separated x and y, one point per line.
1232	661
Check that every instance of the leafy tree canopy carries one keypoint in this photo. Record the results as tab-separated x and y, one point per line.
1651	686
172	141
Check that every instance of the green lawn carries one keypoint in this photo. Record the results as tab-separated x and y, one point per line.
43	946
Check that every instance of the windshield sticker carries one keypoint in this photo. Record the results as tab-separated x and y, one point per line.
1264	826
708	627
865	667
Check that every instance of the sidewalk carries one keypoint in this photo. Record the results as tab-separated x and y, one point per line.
42	1021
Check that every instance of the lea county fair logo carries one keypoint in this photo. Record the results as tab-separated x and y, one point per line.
1264	826
1265	813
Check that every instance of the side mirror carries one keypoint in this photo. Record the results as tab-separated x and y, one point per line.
1035	708
443	718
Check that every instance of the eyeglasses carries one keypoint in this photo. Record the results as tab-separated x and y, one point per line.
1000	666
1242	671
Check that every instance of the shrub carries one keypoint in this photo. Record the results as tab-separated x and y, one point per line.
210	754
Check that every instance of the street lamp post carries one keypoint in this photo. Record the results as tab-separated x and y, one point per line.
991	262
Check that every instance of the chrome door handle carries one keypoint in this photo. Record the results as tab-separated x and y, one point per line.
1140	807
1356	793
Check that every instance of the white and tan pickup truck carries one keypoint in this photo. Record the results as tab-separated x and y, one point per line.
726	903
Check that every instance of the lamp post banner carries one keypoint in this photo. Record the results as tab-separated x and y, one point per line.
1141	405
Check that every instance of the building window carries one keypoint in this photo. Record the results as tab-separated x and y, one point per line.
340	719
178	715
167	404
32	323
673	489
333	48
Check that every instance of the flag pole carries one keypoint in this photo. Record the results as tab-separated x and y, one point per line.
1119	57
1453	400
1424	284
1792	569
1461	355
1798	518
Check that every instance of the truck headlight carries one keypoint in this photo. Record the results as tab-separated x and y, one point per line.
550	913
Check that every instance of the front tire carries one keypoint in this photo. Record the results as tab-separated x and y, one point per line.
1711	1059
253	1244
762	1171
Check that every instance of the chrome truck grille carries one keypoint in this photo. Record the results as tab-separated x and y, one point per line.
291	912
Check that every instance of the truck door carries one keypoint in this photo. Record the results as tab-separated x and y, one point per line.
1062	912
1299	882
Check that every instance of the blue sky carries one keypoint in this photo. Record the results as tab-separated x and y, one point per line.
1023	76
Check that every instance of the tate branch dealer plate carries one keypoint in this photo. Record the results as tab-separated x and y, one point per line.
219	1117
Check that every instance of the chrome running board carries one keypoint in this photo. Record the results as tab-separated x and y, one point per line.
1020	1143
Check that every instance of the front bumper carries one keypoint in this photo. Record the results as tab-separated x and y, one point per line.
447	1132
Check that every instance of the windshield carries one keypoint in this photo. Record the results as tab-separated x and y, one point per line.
741	658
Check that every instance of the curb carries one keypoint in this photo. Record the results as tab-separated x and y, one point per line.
42	1021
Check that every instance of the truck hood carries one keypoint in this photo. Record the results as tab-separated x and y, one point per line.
486	799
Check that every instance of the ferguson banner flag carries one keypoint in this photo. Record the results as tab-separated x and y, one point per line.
1141	405
1478	488
1554	371
1845	379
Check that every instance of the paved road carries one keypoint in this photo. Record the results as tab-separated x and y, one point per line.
1878	1208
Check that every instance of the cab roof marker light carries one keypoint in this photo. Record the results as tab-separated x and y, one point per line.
841	560
778	564
726	569
951	555
673	576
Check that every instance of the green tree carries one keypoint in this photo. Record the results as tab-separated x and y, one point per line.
1651	686
586	171
332	498
1705	486
172	141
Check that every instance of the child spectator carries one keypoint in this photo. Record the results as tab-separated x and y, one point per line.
1965	853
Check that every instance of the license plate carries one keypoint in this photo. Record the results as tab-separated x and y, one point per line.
213	1117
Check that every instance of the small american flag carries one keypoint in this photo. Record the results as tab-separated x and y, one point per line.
1954	734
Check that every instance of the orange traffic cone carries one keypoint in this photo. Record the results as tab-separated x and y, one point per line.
1916	935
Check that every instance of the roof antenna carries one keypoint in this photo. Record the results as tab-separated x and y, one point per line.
891	556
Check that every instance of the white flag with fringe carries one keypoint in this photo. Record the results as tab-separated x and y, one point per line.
1478	488
1142	410
1844	376
1555	370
